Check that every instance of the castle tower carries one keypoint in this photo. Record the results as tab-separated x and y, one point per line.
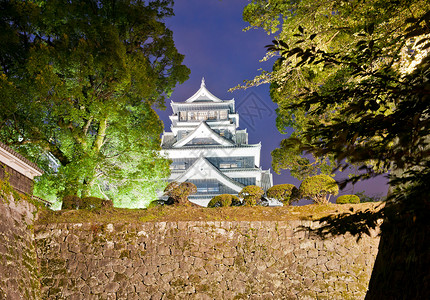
209	150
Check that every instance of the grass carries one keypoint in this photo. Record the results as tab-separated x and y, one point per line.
173	214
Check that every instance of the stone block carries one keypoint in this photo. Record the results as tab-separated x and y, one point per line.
111	287
149	279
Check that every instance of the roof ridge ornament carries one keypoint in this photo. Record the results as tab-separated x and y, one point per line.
203	82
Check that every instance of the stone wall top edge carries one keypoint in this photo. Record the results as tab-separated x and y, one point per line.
254	223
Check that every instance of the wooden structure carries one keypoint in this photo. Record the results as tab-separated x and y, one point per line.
19	170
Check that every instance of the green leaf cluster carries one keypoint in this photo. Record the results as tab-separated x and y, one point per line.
345	199
224	200
285	193
80	81
251	195
342	73
318	188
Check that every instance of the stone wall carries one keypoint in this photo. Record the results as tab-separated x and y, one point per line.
18	264
201	260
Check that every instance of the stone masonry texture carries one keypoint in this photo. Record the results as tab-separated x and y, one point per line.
178	260
19	278
201	260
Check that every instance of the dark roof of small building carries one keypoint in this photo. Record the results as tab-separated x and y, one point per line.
21	157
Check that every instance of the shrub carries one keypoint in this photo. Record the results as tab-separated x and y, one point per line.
224	200
93	202
286	193
318	188
107	203
344	199
178	193
251	195
71	202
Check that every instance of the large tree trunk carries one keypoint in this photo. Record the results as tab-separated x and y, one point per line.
402	267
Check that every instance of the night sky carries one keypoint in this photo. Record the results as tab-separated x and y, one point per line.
210	35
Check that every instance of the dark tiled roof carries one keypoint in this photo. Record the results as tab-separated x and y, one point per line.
213	147
241	170
19	156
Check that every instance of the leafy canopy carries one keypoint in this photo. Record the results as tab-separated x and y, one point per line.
339	62
286	193
364	89
79	80
224	200
344	199
251	195
319	188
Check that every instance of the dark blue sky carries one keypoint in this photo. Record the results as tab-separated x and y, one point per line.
210	35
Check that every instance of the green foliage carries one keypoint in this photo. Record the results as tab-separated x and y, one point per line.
319	188
359	73
289	156
342	68
80	80
344	199
224	200
286	193
179	192
251	195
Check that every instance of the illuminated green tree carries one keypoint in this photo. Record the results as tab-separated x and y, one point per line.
311	38
251	195
224	200
319	188
344	199
79	80
362	89
286	193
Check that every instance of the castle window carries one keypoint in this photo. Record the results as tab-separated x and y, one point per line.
223	114
205	186
182	116
192	116
230	164
203	115
212	115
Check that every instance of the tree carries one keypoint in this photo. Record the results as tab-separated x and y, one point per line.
80	80
178	192
344	199
319	188
224	200
328	27
285	193
251	195
369	107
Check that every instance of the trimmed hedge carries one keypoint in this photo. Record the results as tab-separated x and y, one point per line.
224	200
319	188
178	192
345	199
251	195
286	193
74	202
